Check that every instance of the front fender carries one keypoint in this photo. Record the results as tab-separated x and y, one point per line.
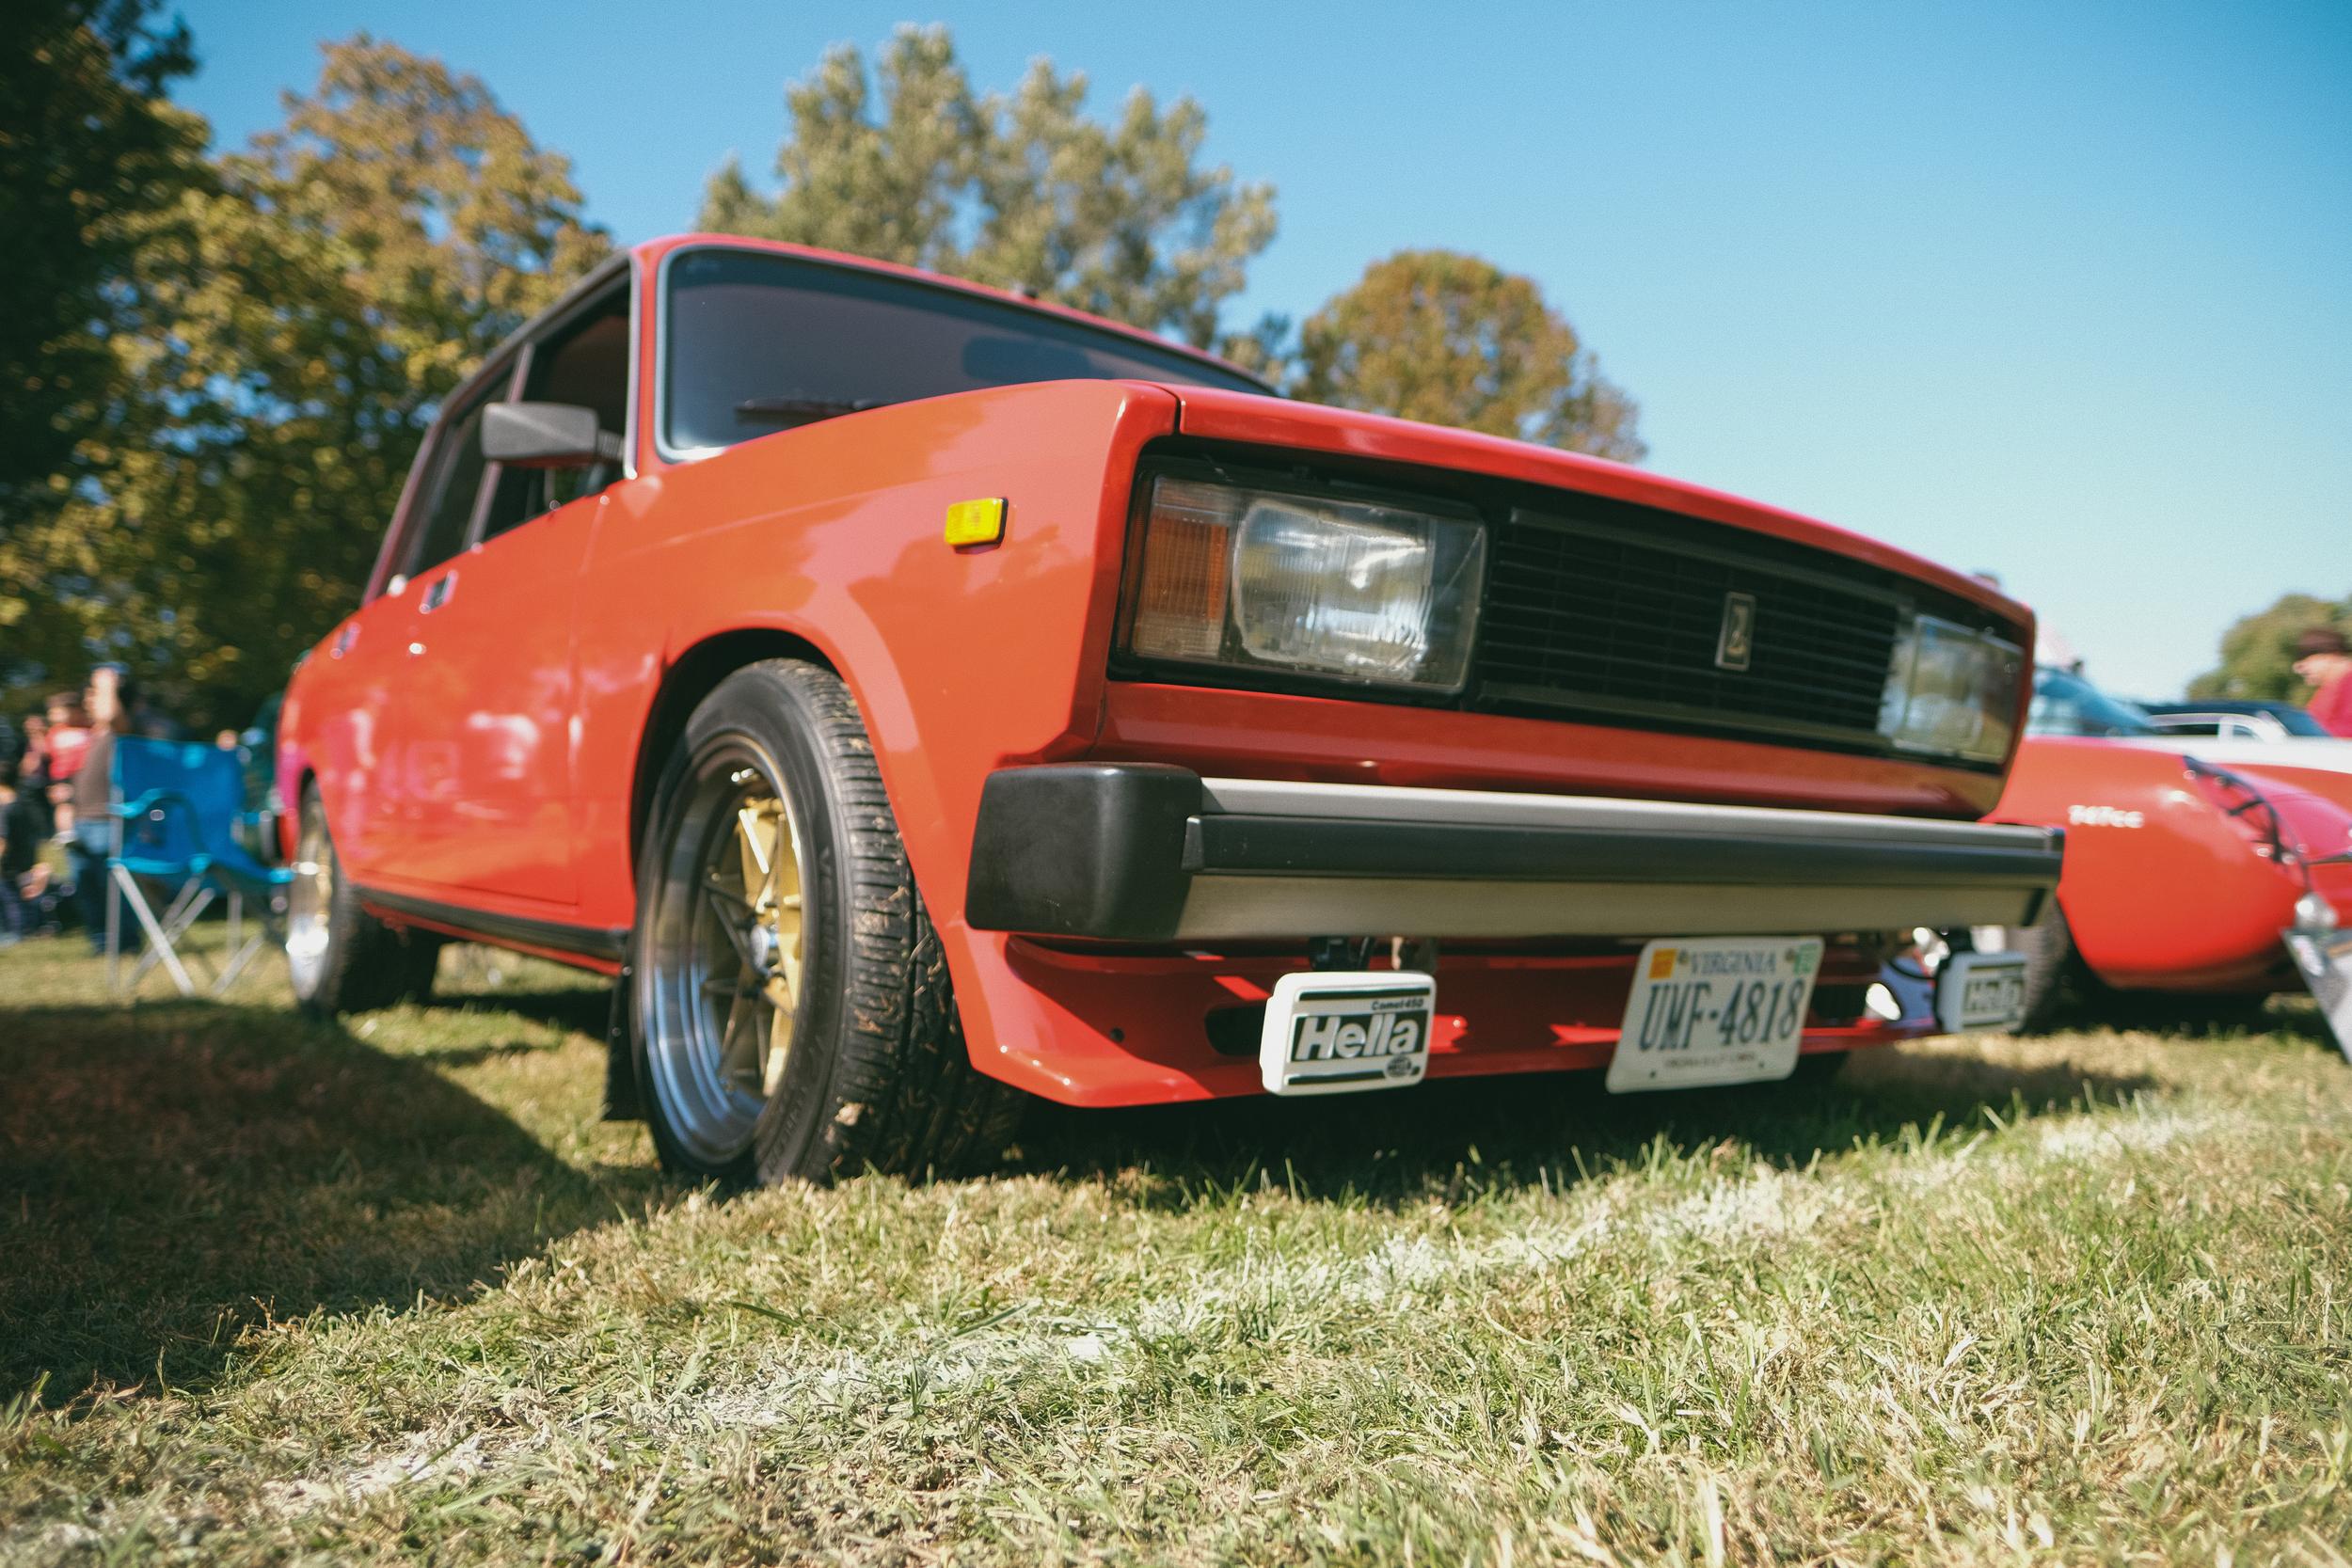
962	661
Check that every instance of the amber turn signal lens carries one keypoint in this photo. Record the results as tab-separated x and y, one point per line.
1180	602
976	522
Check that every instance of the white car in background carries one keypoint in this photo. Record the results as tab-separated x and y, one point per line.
2236	718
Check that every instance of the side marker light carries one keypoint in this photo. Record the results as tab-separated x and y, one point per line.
976	523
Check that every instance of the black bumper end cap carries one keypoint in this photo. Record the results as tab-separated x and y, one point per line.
1092	849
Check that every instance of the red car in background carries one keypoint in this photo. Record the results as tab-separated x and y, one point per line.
916	696
2183	874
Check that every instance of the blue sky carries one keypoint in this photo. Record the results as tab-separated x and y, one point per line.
2064	291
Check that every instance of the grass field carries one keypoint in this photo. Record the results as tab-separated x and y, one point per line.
273	1290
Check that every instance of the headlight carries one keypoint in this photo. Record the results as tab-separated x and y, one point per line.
1354	590
1953	690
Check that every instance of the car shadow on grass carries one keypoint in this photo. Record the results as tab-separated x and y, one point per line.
171	1175
1555	1128
583	1009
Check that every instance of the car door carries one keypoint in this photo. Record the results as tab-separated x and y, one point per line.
492	653
351	690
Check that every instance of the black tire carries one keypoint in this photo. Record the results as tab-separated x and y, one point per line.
876	1074
349	961
2055	974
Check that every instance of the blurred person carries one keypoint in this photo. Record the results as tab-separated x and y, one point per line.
2323	659
227	740
32	779
17	843
69	743
110	699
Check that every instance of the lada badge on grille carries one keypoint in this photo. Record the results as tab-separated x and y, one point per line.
1737	641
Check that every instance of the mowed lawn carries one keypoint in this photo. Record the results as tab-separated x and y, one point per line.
274	1291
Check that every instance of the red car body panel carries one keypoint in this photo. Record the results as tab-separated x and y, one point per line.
2162	888
494	751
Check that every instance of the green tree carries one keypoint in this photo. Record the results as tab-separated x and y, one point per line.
2258	652
292	327
1020	190
87	147
1454	339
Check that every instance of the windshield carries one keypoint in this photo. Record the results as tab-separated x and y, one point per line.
757	343
2066	704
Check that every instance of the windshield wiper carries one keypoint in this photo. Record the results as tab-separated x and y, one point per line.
756	410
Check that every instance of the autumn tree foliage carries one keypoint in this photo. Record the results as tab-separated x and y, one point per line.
1454	339
87	148
290	326
909	163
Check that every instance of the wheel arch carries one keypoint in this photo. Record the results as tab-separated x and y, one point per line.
690	677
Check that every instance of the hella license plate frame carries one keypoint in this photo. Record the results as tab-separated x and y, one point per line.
1342	1032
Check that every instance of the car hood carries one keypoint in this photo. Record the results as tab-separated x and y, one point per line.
2320	767
1212	414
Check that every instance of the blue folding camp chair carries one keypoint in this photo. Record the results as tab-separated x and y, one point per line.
176	810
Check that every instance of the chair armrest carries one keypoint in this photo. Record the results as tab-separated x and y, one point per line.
156	801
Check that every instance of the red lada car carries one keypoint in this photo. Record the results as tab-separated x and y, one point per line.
916	697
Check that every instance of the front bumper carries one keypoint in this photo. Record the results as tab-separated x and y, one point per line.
1146	852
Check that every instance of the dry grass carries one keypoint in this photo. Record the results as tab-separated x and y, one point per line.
275	1291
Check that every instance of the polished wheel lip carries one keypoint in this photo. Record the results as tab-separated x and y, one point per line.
310	904
727	948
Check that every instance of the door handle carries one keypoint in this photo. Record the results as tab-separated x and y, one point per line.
438	594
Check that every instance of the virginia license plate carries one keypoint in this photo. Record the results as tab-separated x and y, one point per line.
1980	991
1336	1032
1714	1010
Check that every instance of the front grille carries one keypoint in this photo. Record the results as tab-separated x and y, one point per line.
1590	616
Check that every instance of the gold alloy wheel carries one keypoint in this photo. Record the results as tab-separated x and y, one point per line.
726	943
755	894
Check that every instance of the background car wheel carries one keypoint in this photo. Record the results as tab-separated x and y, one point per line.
794	1017
342	958
2056	977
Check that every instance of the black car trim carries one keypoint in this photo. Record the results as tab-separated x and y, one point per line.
603	944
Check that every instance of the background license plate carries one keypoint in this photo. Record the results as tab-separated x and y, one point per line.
1714	1010
1980	991
1330	1033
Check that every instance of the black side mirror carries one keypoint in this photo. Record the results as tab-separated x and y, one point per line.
545	435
